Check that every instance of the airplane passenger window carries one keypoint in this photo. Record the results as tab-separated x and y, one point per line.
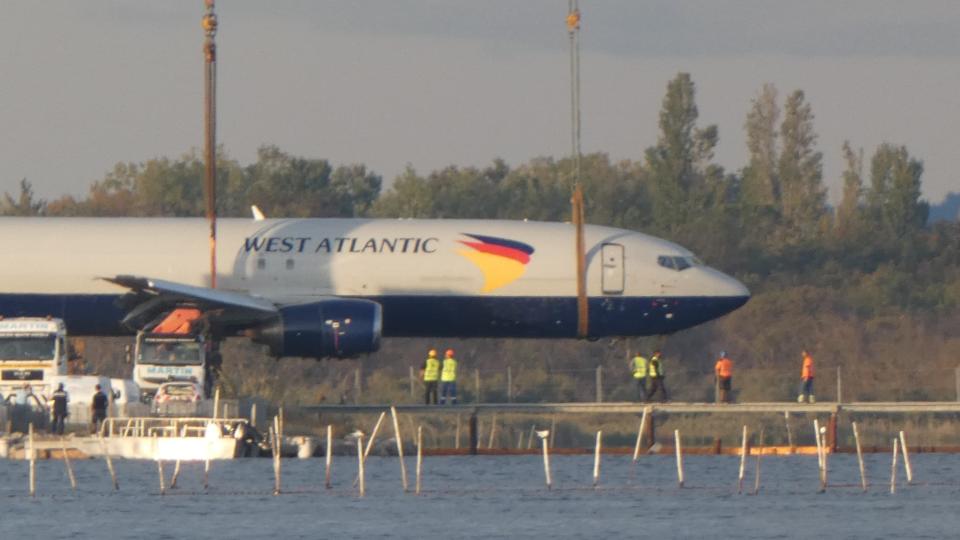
261	264
289	264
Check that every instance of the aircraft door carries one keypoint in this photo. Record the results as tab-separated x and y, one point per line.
613	275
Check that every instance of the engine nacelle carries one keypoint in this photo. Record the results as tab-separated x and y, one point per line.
338	327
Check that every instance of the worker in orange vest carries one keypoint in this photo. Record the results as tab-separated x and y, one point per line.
806	379
724	371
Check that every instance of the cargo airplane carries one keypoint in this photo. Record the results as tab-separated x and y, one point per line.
334	287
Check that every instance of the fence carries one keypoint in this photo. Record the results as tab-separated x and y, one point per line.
600	383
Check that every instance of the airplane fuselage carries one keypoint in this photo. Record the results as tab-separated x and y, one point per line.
433	278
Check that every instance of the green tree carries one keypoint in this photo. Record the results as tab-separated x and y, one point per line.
803	195
356	188
681	176
850	210
409	197
290	186
538	190
760	186
894	196
25	204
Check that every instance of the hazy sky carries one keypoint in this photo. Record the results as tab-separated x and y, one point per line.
437	82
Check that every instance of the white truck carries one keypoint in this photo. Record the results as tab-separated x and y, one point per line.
160	358
34	352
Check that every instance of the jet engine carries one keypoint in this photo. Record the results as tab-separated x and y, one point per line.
338	327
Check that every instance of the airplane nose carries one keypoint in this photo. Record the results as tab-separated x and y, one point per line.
736	288
722	285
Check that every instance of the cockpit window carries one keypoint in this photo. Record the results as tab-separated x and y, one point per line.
678	263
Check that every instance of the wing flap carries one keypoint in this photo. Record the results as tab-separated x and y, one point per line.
205	296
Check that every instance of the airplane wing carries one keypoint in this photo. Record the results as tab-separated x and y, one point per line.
148	297
321	327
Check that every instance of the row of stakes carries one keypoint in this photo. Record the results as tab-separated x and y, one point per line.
276	436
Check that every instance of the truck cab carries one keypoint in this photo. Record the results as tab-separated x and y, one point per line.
164	357
33	351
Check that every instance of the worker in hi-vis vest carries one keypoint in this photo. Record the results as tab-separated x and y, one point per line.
724	370
448	376
639	368
431	374
806	379
657	376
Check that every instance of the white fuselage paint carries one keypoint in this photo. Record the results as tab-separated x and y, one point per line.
303	258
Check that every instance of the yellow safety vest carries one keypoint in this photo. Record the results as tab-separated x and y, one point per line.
432	372
449	370
656	368
639	367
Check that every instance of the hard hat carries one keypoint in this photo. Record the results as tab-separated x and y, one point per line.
449	352
432	353
723	353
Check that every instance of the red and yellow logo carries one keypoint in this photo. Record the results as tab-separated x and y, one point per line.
502	261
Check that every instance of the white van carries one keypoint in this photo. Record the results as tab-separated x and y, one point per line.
127	399
125	391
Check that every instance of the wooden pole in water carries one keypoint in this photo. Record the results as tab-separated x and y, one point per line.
206	461
906	458
756	477
743	460
329	461
826	455
66	462
419	456
493	431
253	415
863	470
33	461
643	426
273	454
373	435
163	487
277	448
893	469
113	473
820	457
545	443
786	420
396	433
679	452
216	402
360	464
206	473
176	474
596	459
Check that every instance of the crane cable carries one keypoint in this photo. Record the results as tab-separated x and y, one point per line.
576	201
209	24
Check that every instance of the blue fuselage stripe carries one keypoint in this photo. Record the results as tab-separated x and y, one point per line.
435	316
